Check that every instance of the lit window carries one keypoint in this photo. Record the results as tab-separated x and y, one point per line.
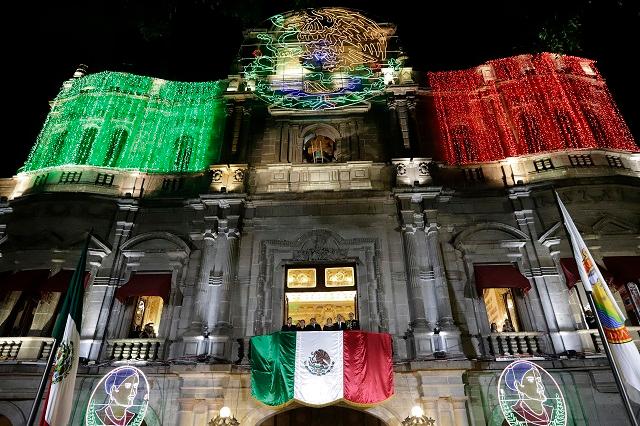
301	278
339	277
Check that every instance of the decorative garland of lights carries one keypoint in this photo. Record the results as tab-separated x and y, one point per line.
531	104
126	121
318	59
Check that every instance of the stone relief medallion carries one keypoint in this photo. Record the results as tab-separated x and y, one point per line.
529	396
120	398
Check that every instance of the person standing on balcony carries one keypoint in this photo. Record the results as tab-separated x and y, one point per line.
301	325
328	325
288	326
591	318
507	327
313	325
340	324
352	322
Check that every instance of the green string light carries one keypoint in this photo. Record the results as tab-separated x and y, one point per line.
132	122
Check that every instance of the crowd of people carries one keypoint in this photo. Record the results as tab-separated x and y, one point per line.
340	324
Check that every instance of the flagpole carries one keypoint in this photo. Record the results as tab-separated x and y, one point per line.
607	349
43	384
614	367
56	342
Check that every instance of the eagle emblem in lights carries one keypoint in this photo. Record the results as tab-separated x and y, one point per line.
318	59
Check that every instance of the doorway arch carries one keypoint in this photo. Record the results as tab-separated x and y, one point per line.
333	415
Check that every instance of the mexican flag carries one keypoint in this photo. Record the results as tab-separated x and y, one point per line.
58	405
321	367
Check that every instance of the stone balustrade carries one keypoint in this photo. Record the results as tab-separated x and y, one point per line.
135	349
517	343
25	348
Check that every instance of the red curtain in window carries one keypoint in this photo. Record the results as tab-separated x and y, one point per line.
572	276
499	276
37	280
60	281
23	280
624	268
157	284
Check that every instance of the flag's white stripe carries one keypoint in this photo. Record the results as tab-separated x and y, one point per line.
319	388
60	398
628	360
578	246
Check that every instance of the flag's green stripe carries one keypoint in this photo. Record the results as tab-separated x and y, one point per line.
73	298
273	367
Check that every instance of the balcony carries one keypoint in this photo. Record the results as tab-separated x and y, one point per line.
518	344
25	349
351	175
135	349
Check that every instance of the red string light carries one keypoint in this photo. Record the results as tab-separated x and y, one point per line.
523	105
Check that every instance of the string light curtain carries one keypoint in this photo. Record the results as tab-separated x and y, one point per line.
133	122
524	105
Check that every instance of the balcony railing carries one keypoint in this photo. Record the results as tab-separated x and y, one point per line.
25	348
524	343
135	349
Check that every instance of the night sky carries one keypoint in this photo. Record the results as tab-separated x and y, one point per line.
197	40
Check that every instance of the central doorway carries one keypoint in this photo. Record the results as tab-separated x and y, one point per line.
332	416
320	292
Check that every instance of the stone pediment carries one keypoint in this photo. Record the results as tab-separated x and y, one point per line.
612	225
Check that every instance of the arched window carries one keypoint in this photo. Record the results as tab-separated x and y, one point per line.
58	144
461	141
86	142
596	128
566	129
531	130
182	147
318	149
116	144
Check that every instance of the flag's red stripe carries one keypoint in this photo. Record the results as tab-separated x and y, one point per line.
368	367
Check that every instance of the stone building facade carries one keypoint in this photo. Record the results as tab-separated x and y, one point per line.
423	234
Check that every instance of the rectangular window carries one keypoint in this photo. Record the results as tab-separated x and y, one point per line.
40	180
104	179
543	165
581	160
301	278
474	175
70	177
339	277
615	161
172	185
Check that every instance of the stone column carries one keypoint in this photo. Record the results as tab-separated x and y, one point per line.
185	412
411	254
460	412
441	288
225	273
201	292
